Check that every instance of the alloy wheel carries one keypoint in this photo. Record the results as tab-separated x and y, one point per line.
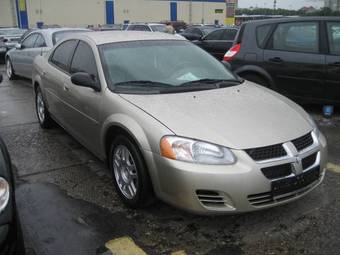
40	107
125	171
9	70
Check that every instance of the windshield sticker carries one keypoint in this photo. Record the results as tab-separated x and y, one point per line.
188	77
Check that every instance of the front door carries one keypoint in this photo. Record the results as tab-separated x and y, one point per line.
294	60
83	104
20	56
332	79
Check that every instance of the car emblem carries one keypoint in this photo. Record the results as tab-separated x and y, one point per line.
297	166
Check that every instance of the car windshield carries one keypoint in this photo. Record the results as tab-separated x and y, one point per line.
158	28
12	31
57	36
167	65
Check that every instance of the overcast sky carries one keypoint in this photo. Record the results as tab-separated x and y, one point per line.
286	4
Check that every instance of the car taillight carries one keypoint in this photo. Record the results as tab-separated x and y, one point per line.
232	52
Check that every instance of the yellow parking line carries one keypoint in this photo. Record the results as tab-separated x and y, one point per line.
179	253
334	168
124	246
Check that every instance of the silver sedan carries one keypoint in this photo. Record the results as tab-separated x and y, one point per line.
176	124
19	61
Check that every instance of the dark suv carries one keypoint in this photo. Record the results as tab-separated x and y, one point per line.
298	57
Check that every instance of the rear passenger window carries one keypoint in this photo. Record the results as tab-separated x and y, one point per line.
333	29
63	53
84	61
229	35
297	37
261	34
216	35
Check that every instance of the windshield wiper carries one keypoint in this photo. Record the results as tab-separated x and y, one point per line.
143	83
219	83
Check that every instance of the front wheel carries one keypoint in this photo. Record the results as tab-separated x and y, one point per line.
9	70
43	115
131	178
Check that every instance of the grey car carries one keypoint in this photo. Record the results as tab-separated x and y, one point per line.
19	61
174	123
8	38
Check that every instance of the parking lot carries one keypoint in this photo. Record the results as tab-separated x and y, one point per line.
67	203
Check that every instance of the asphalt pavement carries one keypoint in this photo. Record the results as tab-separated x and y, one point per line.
67	203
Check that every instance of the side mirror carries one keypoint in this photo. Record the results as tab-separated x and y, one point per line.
0	77
227	65
84	80
19	46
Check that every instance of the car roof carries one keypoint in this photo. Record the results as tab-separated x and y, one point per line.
105	37
50	31
146	23
292	19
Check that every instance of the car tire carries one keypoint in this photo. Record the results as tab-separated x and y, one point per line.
130	174
9	70
43	115
256	79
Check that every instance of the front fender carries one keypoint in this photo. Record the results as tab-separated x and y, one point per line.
257	70
130	125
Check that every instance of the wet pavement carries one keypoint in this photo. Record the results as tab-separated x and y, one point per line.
67	203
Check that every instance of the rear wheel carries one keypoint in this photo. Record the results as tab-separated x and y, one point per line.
131	178
9	70
43	115
256	79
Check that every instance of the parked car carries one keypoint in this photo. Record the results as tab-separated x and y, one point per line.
11	240
180	126
298	57
19	61
109	27
148	27
193	33
8	38
218	42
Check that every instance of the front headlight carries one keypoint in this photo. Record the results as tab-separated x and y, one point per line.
4	193
194	151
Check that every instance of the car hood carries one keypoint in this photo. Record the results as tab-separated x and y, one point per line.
239	117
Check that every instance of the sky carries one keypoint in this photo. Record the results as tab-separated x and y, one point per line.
286	4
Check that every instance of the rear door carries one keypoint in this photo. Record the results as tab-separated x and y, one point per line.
294	60
332	78
213	43
55	76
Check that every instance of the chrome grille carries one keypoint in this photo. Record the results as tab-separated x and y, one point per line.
278	171
309	161
303	142
268	152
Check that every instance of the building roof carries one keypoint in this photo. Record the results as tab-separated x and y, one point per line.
126	36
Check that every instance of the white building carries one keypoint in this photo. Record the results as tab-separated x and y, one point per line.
333	4
26	13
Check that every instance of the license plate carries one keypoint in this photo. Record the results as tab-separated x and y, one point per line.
290	184
2	49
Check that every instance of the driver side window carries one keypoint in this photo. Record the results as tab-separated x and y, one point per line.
216	35
84	61
29	41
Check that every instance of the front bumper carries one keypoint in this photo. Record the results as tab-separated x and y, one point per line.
211	189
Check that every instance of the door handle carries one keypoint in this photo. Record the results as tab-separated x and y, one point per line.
66	88
43	73
276	60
